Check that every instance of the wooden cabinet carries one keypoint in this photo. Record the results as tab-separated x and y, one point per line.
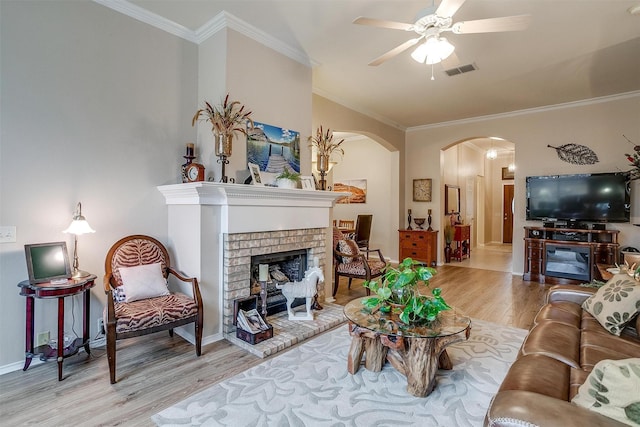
419	245
600	245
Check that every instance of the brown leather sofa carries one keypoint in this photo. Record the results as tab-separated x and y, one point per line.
556	357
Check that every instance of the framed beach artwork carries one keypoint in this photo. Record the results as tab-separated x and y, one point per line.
357	188
273	148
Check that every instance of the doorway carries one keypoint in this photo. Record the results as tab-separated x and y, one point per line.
507	213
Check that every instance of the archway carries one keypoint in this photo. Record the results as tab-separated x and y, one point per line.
483	167
376	166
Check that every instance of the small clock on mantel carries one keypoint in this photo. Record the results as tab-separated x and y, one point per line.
422	190
194	172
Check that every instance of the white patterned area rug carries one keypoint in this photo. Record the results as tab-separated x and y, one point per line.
310	386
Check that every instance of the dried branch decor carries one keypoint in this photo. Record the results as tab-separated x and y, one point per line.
226	119
576	154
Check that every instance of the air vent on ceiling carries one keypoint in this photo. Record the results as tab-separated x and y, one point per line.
460	70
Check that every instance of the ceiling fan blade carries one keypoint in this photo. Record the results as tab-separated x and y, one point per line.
448	8
395	51
383	24
492	25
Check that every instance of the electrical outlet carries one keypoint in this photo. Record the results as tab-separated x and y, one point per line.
100	323
8	234
43	338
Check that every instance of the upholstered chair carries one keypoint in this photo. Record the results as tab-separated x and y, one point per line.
138	299
349	261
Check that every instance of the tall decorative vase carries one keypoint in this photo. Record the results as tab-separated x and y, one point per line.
323	167
223	144
447	253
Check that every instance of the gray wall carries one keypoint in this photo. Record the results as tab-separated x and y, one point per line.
96	107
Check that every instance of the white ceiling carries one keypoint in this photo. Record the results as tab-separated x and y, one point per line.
573	50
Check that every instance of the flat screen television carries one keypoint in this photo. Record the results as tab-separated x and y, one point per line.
598	197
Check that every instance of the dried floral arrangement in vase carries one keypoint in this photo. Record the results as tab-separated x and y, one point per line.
634	159
325	146
226	120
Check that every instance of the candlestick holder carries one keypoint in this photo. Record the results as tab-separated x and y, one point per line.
429	221
409	219
189	157
263	299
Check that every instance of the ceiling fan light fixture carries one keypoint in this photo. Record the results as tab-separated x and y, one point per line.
433	50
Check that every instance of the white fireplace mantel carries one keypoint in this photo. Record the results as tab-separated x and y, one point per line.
200	214
214	193
252	208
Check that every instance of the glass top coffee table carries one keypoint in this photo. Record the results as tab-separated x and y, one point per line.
415	351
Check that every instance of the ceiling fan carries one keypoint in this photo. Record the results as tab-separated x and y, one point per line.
431	24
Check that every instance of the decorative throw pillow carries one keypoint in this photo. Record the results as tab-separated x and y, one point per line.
615	303
143	281
613	389
348	247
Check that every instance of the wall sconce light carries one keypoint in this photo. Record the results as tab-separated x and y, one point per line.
78	226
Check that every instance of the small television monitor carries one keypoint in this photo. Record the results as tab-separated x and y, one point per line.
597	197
47	262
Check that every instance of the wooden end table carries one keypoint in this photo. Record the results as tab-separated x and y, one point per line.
415	351
60	291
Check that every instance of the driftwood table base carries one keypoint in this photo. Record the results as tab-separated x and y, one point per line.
417	358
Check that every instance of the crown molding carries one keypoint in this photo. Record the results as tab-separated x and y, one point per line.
226	20
217	23
516	113
143	15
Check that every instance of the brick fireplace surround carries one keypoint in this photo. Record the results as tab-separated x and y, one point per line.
240	247
215	228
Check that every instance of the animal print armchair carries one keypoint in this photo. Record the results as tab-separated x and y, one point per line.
138	299
349	261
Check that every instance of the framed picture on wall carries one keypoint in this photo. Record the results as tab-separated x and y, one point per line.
422	190
357	189
507	174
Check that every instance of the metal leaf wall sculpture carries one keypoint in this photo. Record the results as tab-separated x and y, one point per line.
576	154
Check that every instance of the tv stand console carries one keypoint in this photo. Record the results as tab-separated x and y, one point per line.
590	246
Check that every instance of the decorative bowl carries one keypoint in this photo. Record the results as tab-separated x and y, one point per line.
419	222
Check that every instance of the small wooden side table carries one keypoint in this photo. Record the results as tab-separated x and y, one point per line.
462	240
60	291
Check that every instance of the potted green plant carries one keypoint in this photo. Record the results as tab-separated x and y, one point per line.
399	291
288	179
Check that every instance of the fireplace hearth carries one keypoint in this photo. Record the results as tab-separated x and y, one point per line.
283	267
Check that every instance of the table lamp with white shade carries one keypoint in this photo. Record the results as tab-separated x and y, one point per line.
78	226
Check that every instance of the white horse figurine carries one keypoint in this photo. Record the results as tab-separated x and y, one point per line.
306	288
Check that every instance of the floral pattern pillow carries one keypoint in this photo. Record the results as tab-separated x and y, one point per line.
613	389
615	303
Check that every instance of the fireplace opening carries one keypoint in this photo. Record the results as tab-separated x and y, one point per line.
568	262
283	267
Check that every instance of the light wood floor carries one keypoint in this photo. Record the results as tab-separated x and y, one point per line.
156	371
